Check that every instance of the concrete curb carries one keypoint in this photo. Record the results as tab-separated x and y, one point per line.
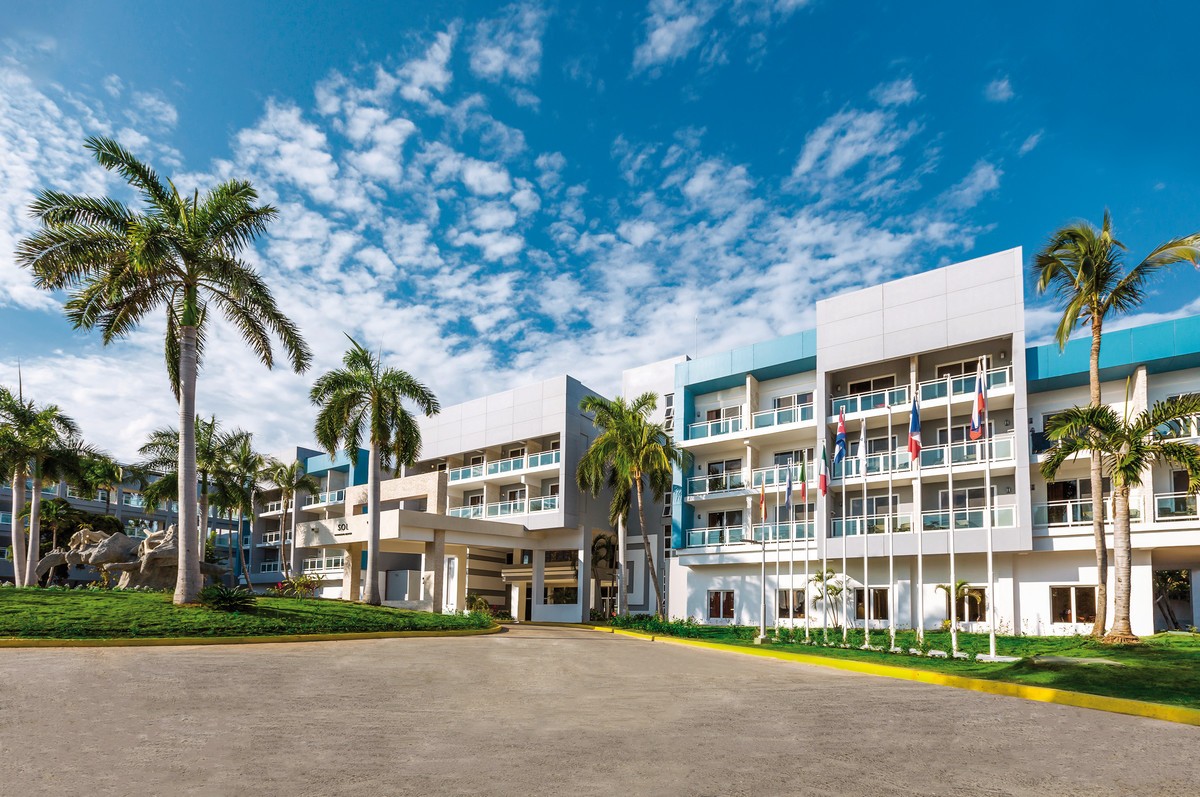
1042	694
158	642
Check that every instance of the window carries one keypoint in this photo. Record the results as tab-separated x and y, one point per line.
732	517
667	509
1072	604
876	505
516	452
667	537
475	459
720	604
797	512
972	607
871	385
514	494
964	368
557	596
669	405
961	433
725	475
965	498
554	445
724	412
879	603
791	603
794	457
475	500
442	466
553	489
796	400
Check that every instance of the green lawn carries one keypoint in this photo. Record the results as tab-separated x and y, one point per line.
1164	669
51	614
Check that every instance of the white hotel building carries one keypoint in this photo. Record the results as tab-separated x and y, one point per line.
744	414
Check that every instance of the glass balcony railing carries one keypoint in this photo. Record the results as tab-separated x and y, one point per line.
545	503
717	483
319	565
1002	448
273	537
698	431
783	532
272	506
777	474
268	567
330	497
932	389
876	399
1169	507
543	459
871	524
1003	517
781	417
466	472
895	462
716	535
504	466
522	506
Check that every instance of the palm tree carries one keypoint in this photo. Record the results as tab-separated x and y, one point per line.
243	468
1127	448
102	472
361	398
179	254
57	515
828	586
1084	268
604	555
291	481
629	455
40	441
963	595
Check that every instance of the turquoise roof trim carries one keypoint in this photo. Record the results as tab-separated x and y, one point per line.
770	359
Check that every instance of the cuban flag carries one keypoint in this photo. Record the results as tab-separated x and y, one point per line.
979	407
914	431
823	473
839	443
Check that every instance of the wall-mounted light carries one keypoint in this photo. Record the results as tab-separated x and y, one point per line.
1003	356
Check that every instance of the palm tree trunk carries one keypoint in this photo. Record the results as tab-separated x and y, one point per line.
241	548
294	563
18	525
283	562
370	578
35	529
658	596
1121	632
187	581
620	572
1097	480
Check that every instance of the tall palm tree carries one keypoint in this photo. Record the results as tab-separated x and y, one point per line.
243	469
40	440
57	515
176	253
365	398
291	481
1127	447
629	455
1084	268
102	472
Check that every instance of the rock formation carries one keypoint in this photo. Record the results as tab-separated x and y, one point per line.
150	563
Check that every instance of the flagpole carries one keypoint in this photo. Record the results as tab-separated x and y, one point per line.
866	533
807	552
915	464
824	538
778	554
950	472
987	515
791	560
891	518
845	619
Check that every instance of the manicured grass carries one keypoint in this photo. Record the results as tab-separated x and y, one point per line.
102	614
1163	669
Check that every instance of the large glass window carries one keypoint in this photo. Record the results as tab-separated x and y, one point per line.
791	603
871	385
1073	604
972	606
720	604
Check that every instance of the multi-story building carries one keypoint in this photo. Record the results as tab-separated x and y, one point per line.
125	503
889	523
490	510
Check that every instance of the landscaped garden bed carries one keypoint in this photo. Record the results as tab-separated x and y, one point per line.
1164	668
119	614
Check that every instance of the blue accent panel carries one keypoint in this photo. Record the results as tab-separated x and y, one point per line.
1161	347
362	562
771	359
323	463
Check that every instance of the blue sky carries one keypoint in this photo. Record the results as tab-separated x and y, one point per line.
498	193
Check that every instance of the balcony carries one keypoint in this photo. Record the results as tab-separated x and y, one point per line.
715	484
781	417
876	464
503	467
272	508
273	537
133	500
715	535
523	506
933	389
776	475
875	400
871	524
971	453
327	565
783	532
1003	517
268	567
321	500
722	426
1175	507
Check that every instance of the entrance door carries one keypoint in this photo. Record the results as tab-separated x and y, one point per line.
528	603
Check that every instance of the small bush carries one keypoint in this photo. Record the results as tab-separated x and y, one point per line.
477	603
220	598
301	585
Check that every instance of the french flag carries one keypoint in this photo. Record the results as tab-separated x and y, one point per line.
914	431
839	443
823	473
979	407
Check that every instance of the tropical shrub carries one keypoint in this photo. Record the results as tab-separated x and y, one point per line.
221	598
477	603
301	585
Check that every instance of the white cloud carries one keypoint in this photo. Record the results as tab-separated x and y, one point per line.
898	92
113	85
673	29
999	90
637	232
857	153
154	111
429	74
493	216
1028	145
983	179
510	46
485	179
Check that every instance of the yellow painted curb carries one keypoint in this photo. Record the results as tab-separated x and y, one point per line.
154	642
1043	694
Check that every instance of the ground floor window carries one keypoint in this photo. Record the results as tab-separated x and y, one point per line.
879	603
557	596
791	603
720	604
608	600
1073	604
972	605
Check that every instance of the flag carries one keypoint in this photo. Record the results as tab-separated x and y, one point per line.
914	431
979	407
823	473
839	443
762	501
787	494
803	483
862	449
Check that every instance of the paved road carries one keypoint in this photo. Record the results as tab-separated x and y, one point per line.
542	711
